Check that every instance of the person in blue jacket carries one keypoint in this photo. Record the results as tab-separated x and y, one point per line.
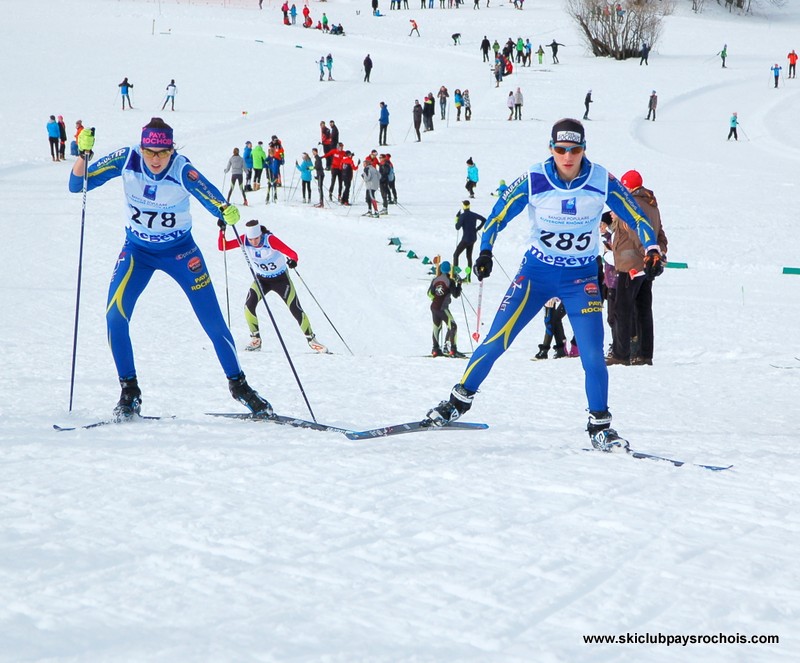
306	168
564	197
158	184
53	135
472	177
124	91
247	155
383	123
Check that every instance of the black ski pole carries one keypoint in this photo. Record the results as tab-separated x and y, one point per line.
275	325
323	310
85	158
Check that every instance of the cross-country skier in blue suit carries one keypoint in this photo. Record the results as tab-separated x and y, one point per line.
158	183
564	197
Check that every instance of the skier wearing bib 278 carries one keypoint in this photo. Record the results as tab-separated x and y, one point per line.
564	197
270	258
158	182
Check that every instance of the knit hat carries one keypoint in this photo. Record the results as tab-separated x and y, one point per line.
157	137
444	267
465	203
631	180
567	131
253	229
470	162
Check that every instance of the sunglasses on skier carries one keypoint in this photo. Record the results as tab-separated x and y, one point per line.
561	149
156	153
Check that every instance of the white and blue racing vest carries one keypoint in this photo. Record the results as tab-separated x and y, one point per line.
565	222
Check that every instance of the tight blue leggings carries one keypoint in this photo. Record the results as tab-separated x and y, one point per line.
184	262
534	284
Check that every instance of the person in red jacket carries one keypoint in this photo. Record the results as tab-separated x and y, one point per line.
335	155
270	259
792	62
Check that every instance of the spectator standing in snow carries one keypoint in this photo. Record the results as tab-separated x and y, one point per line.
723	54
172	90
428	111
52	135
554	314
485	46
792	57
62	137
776	73
634	296
734	123
510	104
322	68
443	96
124	90
553	45
383	123
334	133
306	169
236	168
469	223
416	113
644	55
329	65
259	157
247	155
540	53
467	106
586	101
367	67
472	177
326	140
414	28
73	147
348	169
518	104
372	182
293	13
652	104
319	175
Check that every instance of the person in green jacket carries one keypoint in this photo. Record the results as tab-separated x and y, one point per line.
259	157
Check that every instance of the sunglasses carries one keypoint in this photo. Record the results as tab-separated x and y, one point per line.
156	153
560	149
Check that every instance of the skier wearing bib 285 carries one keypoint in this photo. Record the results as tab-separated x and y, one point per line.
564	197
158	183
270	258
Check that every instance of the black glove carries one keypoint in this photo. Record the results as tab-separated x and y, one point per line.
291	264
483	265
653	264
221	224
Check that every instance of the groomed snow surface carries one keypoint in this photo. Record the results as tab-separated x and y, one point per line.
201	539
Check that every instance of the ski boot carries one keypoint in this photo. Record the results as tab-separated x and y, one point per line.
255	342
455	354
316	346
543	350
130	400
249	397
436	352
573	349
560	351
602	436
460	401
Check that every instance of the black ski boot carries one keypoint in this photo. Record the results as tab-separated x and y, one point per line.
543	350
603	437
249	397
559	351
460	401
130	400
